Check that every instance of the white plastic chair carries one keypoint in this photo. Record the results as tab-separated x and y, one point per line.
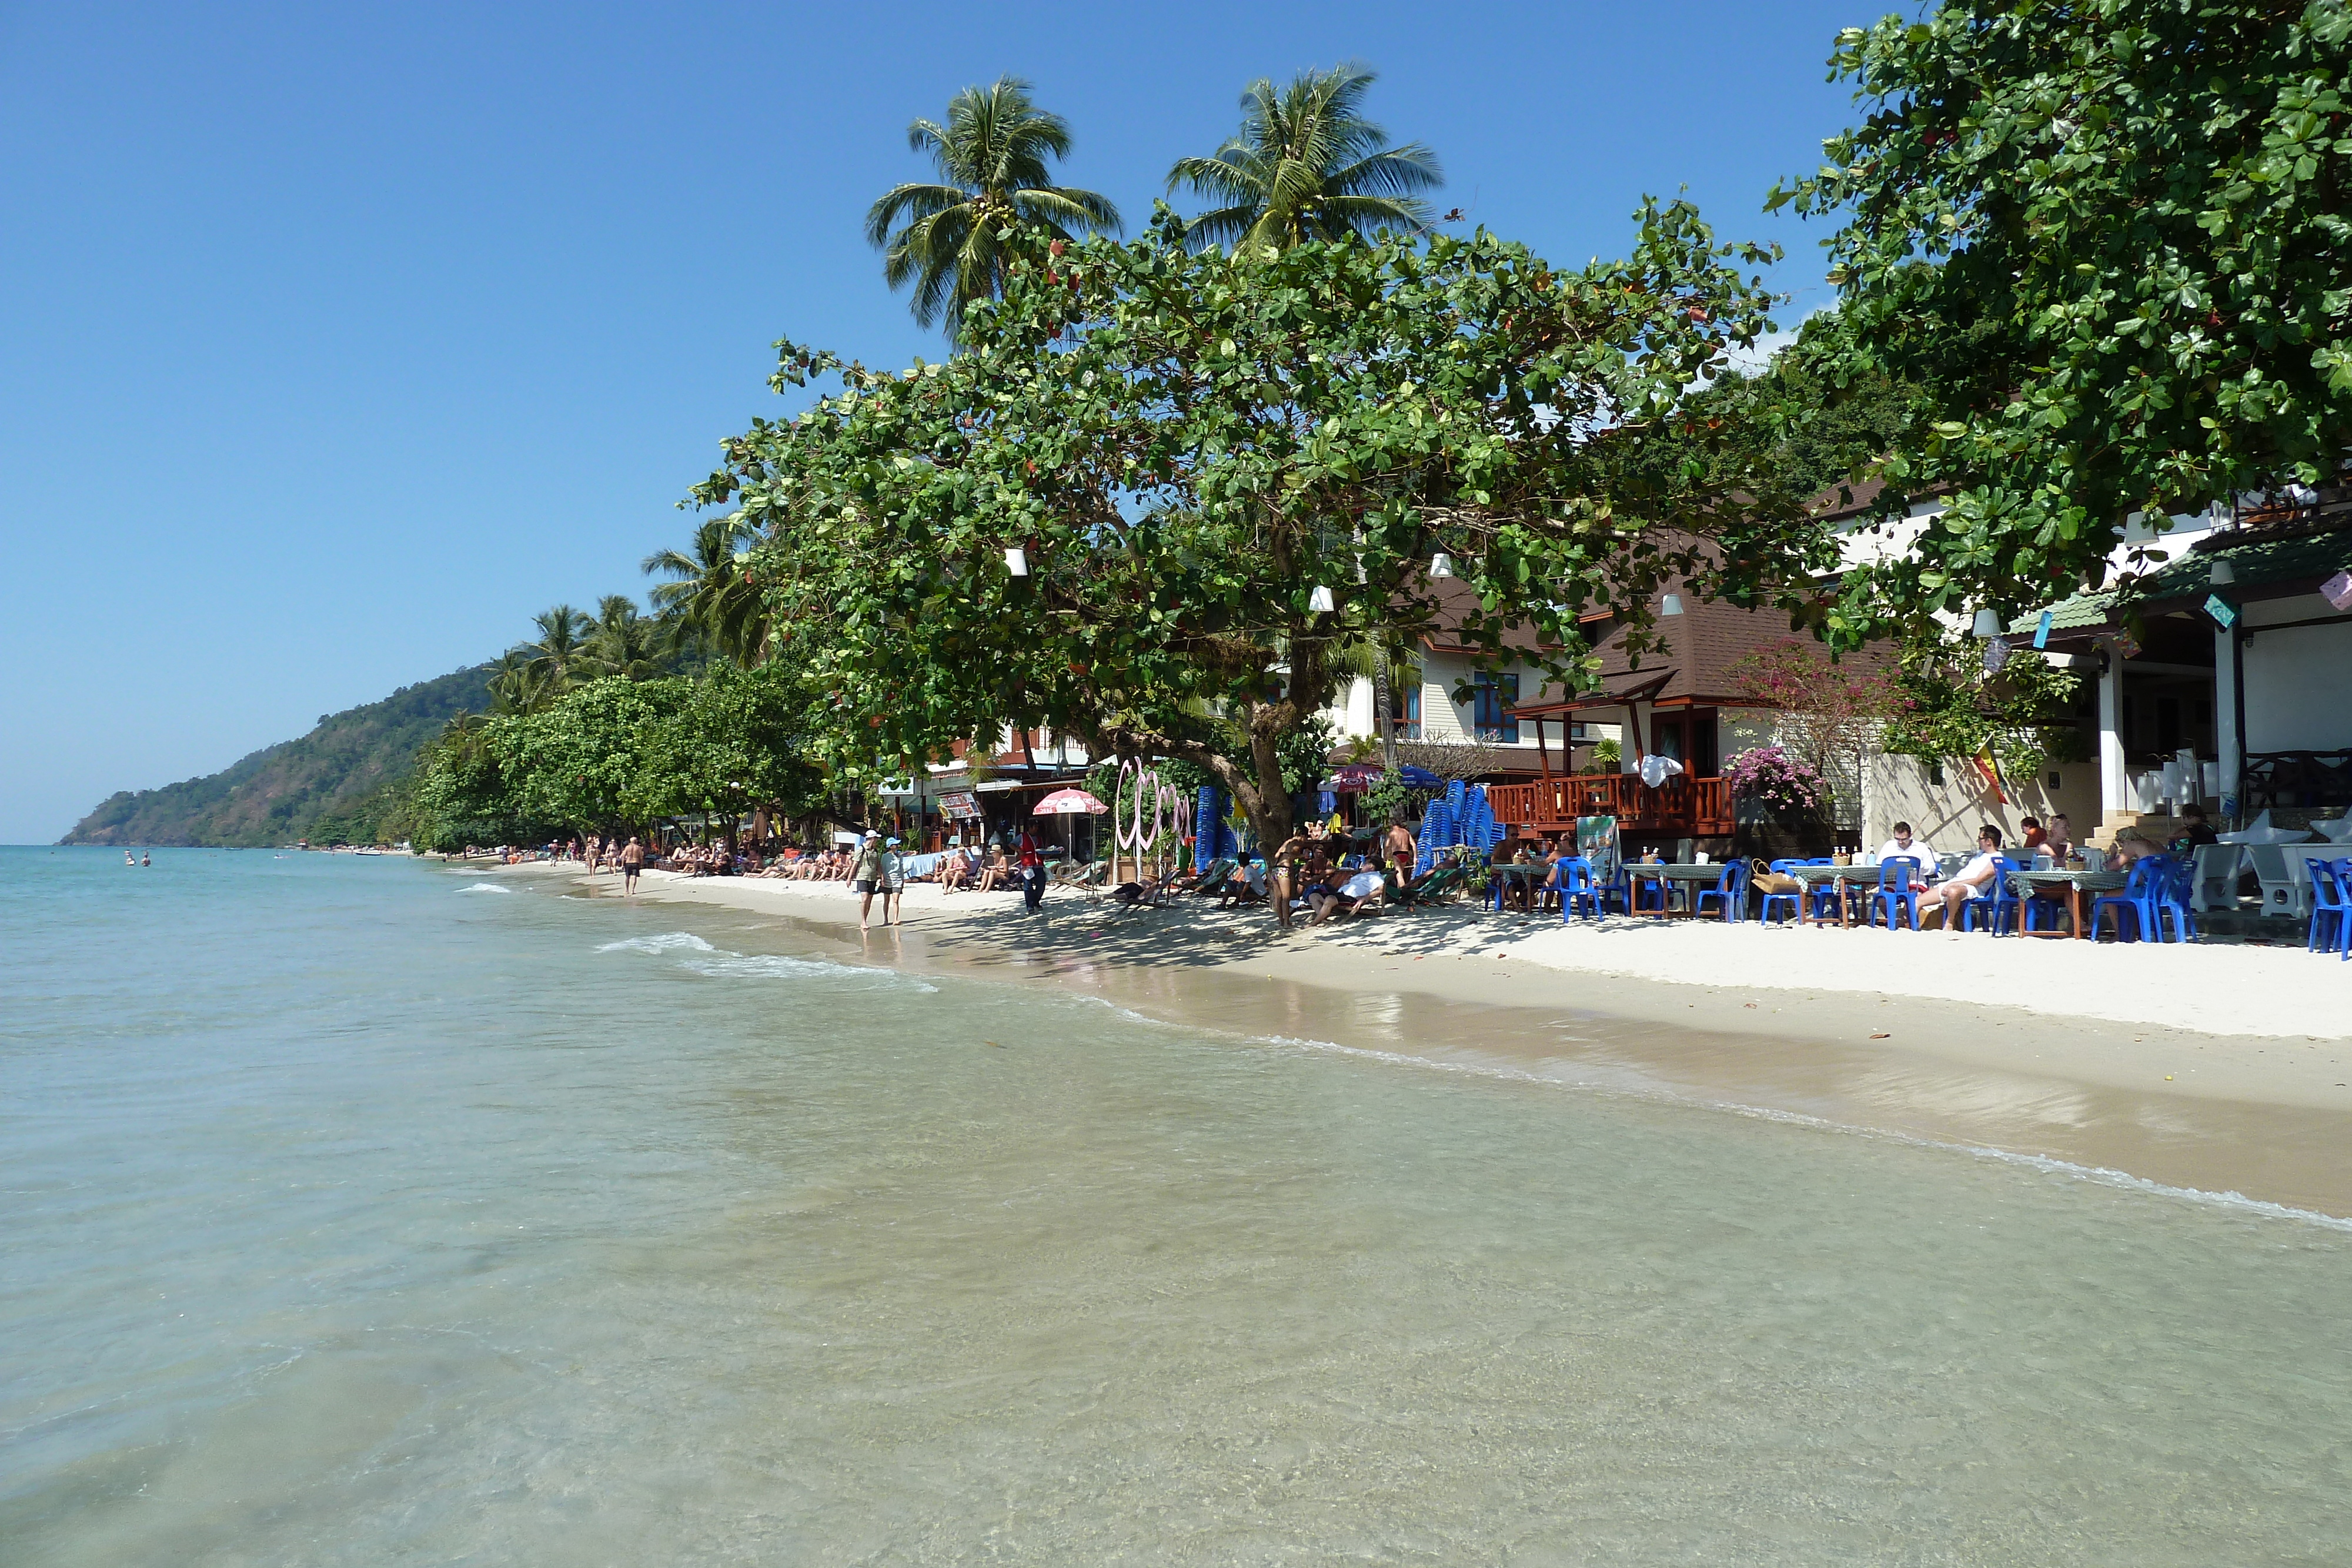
2286	879
2215	878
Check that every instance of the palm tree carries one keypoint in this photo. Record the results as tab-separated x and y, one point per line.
991	155
712	595
623	641
521	684
1307	165
556	658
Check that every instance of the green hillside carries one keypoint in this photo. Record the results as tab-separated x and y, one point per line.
340	781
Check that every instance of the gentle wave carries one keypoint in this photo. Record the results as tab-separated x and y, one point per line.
770	966
669	941
2046	1164
484	887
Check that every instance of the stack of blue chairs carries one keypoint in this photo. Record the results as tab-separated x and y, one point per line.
1213	837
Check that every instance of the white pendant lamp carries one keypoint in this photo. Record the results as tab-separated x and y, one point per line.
1319	602
1670	604
1016	561
1441	565
1988	624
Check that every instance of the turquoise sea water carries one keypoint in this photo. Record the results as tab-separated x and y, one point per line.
358	1211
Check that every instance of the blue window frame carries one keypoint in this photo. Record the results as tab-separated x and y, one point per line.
1405	709
1494	693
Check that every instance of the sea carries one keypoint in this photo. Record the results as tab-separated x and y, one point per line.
367	1210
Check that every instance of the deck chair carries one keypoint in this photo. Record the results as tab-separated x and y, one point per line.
1208	879
1442	885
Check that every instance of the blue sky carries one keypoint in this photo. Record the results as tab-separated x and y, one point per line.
339	340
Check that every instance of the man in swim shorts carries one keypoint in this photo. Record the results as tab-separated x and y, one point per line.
633	861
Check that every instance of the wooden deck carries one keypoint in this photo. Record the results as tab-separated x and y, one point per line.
1682	806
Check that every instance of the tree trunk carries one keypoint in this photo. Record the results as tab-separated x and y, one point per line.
1384	721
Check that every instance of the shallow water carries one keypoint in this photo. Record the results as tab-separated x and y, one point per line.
358	1211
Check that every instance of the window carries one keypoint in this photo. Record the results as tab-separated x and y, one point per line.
1405	707
1494	693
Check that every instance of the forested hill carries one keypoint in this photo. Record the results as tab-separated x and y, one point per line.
330	784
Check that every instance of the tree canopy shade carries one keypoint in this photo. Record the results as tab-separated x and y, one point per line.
1193	454
945	238
2111	240
1307	165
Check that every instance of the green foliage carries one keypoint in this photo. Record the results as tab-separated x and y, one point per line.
1815	416
1185	446
331	776
1948	709
614	753
1606	757
948	239
2111	240
1307	166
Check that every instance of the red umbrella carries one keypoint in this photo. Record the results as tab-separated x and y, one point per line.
1069	803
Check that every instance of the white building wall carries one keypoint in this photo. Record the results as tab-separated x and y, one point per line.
2298	680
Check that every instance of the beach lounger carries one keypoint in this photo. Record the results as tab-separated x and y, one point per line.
1440	886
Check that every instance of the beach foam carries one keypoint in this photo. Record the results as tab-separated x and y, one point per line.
484	887
724	965
669	941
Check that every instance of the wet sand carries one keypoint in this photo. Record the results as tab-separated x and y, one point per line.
2268	1117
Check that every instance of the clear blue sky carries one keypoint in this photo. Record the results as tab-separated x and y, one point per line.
338	340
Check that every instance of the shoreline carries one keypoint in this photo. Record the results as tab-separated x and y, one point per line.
2264	1117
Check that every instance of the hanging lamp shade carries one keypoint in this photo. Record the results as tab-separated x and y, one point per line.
1670	604
1016	561
1441	565
2223	574
1319	602
1988	624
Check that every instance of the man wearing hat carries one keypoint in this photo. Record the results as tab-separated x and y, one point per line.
866	874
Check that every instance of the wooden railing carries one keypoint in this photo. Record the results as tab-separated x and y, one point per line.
1700	807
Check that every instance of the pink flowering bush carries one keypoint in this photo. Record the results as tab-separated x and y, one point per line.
1770	774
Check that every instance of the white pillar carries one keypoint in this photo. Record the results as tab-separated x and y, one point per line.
2228	746
2115	787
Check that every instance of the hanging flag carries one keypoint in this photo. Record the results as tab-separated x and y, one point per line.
1989	770
2042	631
2337	591
2223	612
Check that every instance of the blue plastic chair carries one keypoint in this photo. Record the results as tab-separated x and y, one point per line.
1730	892
1896	895
2139	897
1793	900
1825	895
2331	905
2043	914
2172	899
1577	891
1637	886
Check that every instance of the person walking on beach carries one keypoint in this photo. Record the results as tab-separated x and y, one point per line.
893	882
866	874
633	861
1033	874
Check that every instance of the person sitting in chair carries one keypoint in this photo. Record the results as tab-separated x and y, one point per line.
1972	881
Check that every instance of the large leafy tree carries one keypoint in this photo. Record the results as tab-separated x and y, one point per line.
2112	239
1307	165
1193	453
947	237
735	739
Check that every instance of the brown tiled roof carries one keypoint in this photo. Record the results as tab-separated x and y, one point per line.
1694	668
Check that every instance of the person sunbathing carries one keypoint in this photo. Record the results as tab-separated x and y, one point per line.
1365	889
995	872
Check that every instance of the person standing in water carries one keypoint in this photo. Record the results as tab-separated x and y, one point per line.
129	859
894	884
633	861
146	859
866	874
